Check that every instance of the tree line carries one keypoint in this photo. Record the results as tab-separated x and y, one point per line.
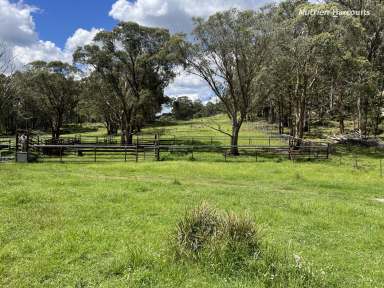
183	108
279	62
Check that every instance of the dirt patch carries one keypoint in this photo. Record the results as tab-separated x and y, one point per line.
381	200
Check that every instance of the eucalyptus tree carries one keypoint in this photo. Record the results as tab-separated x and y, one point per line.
56	90
309	73
311	43
100	95
137	63
7	104
275	104
370	100
29	113
7	91
229	53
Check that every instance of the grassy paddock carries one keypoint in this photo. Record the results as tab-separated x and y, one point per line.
108	224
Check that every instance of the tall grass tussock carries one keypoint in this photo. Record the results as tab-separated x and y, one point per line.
232	246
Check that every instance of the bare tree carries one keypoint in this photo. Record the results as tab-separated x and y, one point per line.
7	63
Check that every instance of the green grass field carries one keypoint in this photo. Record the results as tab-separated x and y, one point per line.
109	224
199	129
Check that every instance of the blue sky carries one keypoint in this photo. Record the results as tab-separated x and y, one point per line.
59	19
52	29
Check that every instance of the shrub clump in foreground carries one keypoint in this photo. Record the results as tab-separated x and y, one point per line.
232	246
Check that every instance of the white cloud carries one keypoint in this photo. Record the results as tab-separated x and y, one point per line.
175	15
18	32
48	51
80	38
16	23
189	85
40	50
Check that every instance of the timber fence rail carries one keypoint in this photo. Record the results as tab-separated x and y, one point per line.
165	140
95	153
88	152
6	143
6	148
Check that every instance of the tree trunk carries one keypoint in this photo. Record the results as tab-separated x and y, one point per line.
123	130
359	124
273	115
300	119
235	138
111	127
129	136
126	130
56	127
341	126
281	118
377	124
55	134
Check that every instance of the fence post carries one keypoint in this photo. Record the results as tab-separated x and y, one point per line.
137	153
192	154
125	153
17	145
269	141
157	152
28	139
95	154
256	155
61	154
144	152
